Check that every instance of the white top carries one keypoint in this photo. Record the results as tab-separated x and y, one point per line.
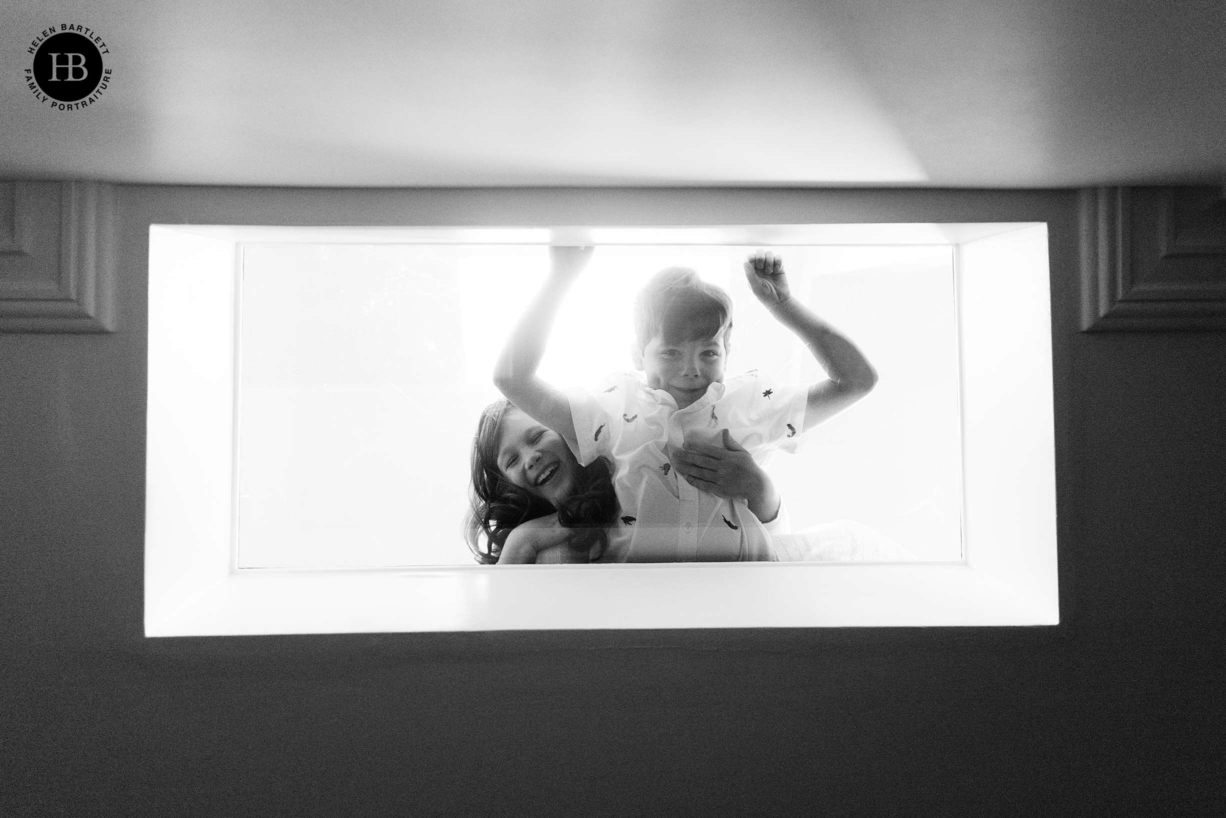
664	518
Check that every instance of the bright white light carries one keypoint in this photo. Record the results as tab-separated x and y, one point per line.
364	368
347	410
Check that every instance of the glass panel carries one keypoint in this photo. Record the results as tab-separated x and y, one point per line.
363	369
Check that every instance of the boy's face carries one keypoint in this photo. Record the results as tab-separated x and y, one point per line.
684	369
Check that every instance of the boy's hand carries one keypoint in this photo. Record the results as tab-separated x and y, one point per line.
767	279
566	263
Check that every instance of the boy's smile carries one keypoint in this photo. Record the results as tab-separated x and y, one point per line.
683	369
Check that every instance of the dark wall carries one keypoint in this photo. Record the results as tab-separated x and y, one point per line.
1118	710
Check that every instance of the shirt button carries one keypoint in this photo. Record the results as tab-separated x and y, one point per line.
688	526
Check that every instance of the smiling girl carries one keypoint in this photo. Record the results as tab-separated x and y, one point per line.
531	501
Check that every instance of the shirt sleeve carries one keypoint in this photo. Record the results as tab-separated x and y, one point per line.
587	416
773	416
592	415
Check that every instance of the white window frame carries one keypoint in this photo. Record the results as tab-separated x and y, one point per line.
194	587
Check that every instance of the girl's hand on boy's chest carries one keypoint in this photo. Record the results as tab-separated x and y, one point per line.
720	467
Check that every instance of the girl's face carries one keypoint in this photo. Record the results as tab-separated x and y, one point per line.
536	459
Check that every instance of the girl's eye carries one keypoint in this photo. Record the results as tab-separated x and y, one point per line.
538	436
511	461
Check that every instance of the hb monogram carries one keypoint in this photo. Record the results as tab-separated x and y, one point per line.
71	65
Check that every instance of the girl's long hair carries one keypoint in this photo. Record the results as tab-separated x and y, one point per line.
498	506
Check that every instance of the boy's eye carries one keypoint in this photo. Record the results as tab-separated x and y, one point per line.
668	353
711	353
536	437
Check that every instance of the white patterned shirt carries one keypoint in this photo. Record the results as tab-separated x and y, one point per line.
663	517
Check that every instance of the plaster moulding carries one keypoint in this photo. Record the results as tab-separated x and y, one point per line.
1153	258
56	257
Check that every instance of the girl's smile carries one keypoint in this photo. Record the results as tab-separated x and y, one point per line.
536	459
546	474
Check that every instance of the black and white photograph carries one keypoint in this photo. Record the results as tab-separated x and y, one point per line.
575	408
371	419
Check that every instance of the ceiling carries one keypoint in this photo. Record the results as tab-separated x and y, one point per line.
936	93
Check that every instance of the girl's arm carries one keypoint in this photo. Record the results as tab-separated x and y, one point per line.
849	374
520	548
533	539
515	374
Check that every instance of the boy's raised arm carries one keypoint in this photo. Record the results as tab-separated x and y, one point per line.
515	374
850	375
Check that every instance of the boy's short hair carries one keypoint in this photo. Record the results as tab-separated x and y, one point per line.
676	305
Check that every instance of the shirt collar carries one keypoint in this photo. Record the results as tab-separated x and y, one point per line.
715	392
